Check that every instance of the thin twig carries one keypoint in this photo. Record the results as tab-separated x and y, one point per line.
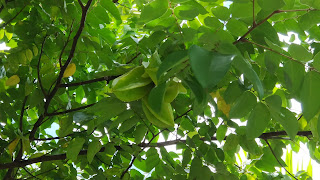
43	172
38	67
183	114
70	110
105	78
268	17
54	138
179	27
25	169
135	157
65	44
275	156
10	20
272	50
133	58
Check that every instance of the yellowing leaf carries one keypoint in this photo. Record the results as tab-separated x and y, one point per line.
35	50
29	54
223	106
71	69
221	103
13	145
13	80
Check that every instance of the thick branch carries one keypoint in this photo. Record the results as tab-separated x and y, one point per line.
105	78
63	68
22	163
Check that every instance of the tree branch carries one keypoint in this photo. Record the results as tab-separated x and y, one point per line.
135	157
278	159
70	110
22	163
30	173
53	138
38	67
133	58
105	78
10	20
268	17
63	68
65	45
272	50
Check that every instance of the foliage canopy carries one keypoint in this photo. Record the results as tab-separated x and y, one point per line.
115	76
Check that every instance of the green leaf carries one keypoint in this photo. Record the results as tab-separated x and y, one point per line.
316	61
271	61
310	19
195	169
139	133
236	27
153	10
221	132
265	31
171	61
152	159
233	91
186	12
241	10
271	5
74	148
287	119
108	107
156	97
111	8
313	3
293	75
221	12
274	102
128	124
232	142
299	52
209	67
196	88
65	126
245	67
310	95
258	121
186	157
212	22
243	105
80	117
220	154
93	148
